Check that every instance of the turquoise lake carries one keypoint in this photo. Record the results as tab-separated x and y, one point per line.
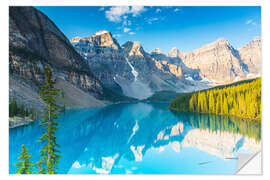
142	138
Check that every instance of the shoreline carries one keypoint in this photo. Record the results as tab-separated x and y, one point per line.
16	121
243	118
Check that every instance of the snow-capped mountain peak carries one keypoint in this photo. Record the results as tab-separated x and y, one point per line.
157	51
75	39
101	32
174	52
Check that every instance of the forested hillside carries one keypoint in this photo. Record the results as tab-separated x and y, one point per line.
242	100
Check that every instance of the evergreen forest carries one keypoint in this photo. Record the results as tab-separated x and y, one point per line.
239	99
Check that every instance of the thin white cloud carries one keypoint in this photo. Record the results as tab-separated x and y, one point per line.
126	29
151	20
126	22
114	13
136	10
158	10
124	15
249	21
118	13
131	33
117	35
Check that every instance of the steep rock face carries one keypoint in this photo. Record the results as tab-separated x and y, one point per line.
100	41
34	42
174	53
158	74
142	69
157	51
139	59
251	55
217	61
173	62
134	49
169	68
104	57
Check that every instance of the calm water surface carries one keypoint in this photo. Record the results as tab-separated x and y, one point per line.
141	138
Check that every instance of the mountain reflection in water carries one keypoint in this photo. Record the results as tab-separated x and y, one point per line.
141	138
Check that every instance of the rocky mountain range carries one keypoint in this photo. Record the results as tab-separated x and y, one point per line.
96	70
218	62
132	69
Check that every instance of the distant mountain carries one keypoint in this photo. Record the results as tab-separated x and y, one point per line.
251	55
173	58
99	39
129	69
217	61
221	63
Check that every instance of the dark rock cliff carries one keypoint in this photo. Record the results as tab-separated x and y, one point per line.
34	42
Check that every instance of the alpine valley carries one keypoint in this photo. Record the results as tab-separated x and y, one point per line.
96	70
102	104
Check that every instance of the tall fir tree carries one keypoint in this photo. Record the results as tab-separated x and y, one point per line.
13	108
49	152
24	165
22	111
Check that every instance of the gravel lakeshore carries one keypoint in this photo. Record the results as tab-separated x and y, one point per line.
19	121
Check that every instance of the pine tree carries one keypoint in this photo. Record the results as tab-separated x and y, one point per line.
22	111
13	108
24	164
49	152
32	114
211	103
26	112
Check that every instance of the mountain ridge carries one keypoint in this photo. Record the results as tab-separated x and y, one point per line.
214	63
131	65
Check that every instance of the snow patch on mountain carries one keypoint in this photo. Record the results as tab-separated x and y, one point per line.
100	32
135	89
133	71
189	78
74	43
206	80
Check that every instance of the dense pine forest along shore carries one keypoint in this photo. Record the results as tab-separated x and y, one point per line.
241	99
20	115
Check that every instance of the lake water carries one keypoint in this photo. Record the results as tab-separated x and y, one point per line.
142	138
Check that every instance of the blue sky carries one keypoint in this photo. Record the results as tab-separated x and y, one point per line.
184	27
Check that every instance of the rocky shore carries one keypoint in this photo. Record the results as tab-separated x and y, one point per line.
19	121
